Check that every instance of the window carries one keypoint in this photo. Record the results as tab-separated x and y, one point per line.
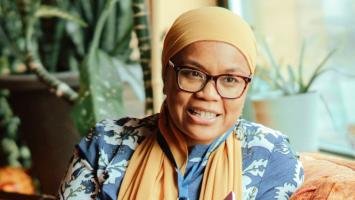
323	25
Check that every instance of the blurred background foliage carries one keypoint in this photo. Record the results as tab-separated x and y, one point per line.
274	76
13	151
60	32
99	40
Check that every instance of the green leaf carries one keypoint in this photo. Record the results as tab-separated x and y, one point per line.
300	66
87	10
279	80
128	73
124	28
5	40
100	24
77	36
319	70
108	42
291	80
101	92
50	11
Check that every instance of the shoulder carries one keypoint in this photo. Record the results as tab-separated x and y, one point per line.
262	144
117	132
109	135
254	135
271	170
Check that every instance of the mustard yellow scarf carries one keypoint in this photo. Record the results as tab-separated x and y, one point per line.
151	175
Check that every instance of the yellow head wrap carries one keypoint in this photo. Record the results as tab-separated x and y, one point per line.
210	23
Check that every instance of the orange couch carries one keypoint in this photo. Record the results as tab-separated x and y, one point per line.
326	177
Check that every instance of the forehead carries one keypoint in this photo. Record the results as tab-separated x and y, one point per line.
213	56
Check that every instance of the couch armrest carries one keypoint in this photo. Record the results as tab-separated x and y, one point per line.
326	177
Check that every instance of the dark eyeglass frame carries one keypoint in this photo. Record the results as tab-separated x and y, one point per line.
209	77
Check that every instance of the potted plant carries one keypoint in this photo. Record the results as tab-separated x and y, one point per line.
90	39
291	107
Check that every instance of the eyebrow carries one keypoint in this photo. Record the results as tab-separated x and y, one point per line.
227	71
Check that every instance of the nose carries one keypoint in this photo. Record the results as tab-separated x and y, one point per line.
209	92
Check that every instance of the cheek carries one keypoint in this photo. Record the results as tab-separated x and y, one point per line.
233	110
176	101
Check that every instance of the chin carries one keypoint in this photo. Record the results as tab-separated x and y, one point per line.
199	136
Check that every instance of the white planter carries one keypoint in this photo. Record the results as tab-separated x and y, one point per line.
296	116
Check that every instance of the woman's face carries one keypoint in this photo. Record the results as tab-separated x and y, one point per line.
204	115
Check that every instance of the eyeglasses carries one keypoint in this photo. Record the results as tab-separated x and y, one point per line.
192	80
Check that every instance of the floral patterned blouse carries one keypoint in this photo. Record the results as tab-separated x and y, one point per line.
96	170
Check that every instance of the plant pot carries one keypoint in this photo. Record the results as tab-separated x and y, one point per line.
46	126
296	116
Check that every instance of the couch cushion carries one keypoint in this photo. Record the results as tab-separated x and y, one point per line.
326	177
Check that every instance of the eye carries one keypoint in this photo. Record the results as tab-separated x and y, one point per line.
195	74
230	79
192	74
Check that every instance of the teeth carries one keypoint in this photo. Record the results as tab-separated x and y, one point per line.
204	114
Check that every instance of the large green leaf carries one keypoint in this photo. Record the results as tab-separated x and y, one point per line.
101	91
132	74
124	26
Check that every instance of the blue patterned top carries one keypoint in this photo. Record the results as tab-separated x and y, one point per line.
96	170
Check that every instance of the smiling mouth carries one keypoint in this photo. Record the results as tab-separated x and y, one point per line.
203	114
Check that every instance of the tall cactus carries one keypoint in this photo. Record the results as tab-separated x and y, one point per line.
141	28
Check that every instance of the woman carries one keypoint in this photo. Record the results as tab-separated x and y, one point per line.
197	147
